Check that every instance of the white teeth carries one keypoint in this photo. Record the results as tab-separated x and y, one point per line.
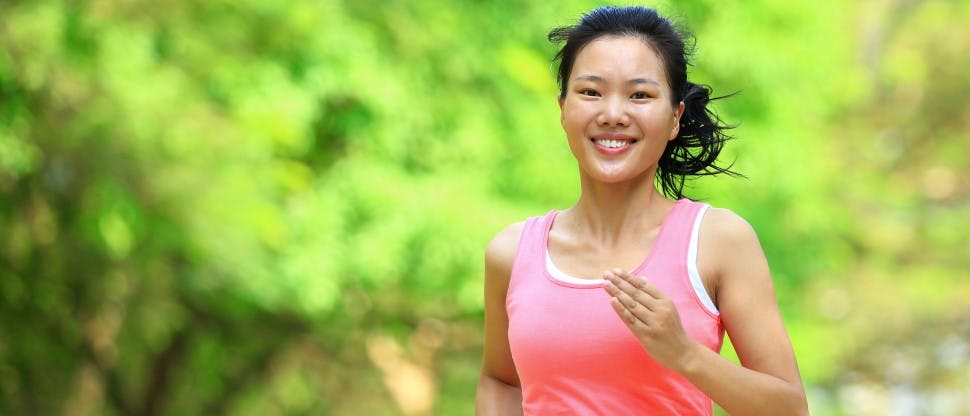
613	144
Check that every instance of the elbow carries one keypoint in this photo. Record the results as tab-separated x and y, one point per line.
497	397
798	401
787	401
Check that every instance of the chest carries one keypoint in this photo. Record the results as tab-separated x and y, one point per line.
568	331
583	259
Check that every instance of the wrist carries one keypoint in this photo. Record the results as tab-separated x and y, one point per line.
691	361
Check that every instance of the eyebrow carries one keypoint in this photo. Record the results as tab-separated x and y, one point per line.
598	79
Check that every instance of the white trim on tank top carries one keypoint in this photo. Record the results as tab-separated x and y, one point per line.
695	277
562	276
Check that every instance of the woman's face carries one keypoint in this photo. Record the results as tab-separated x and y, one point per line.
616	112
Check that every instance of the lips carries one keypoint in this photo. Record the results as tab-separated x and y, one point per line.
612	143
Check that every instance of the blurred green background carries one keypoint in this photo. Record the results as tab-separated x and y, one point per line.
258	207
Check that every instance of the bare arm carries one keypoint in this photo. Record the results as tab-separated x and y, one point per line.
767	382
498	385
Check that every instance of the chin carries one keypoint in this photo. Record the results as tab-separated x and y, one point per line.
612	178
618	176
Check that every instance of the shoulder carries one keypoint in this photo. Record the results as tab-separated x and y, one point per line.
500	252
723	227
729	243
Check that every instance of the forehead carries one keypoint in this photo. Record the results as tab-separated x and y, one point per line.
619	56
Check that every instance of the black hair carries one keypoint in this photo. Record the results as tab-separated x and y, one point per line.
702	133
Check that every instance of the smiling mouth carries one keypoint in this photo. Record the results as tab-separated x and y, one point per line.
612	143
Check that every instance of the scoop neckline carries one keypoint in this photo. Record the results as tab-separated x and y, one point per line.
586	283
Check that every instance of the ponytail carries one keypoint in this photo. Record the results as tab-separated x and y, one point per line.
698	143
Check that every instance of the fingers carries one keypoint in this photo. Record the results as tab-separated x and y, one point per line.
629	302
630	289
630	316
625	296
638	282
646	311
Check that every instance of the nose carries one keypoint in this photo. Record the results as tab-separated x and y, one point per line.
613	113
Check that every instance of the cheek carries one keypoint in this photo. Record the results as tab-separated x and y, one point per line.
660	121
571	120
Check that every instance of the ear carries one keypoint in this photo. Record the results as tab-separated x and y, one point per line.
676	128
562	117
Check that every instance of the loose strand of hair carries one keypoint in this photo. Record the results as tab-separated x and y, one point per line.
695	150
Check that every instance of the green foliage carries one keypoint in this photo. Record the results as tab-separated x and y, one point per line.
280	207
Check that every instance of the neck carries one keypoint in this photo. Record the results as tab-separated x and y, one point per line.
610	214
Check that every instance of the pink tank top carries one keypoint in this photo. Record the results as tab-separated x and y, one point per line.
572	353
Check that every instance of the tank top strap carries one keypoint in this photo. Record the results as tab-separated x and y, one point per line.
530	253
679	226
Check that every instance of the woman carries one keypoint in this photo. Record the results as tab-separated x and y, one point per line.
564	337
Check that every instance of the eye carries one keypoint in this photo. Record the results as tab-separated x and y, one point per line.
640	96
589	92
